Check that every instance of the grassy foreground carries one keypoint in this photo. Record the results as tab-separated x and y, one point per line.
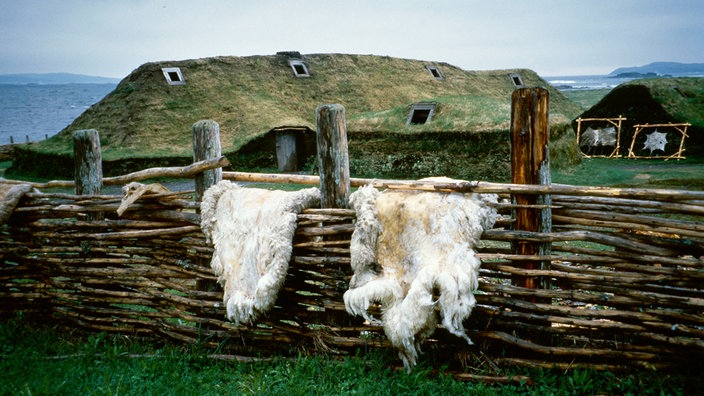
684	174
42	361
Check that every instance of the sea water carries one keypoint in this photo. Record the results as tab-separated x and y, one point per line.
34	111
565	83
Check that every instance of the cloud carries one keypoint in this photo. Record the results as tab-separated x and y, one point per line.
553	37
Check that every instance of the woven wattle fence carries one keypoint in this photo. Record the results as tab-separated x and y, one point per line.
621	287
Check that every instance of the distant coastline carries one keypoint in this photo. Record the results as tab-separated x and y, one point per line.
639	75
626	74
661	69
54	79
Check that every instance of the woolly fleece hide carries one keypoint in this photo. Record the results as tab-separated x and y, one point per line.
412	251
252	230
10	195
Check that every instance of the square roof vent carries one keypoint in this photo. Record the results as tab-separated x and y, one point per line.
420	113
516	80
299	68
173	75
435	71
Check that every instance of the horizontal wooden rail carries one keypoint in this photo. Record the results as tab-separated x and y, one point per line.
479	187
151	173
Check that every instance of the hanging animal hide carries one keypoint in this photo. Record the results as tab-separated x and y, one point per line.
10	195
598	137
252	230
412	252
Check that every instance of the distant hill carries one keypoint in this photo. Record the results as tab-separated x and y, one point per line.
674	69
55	78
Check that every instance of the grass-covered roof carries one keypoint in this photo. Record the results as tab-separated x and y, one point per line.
249	96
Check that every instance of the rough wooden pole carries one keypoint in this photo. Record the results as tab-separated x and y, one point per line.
88	162
333	159
530	164
206	145
88	166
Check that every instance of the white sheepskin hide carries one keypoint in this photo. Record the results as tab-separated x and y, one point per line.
252	230
412	252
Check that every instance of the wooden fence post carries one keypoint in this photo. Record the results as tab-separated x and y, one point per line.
530	164
333	159
87	161
88	165
206	145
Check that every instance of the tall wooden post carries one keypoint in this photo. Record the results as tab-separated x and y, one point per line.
87	162
88	165
206	145
530	164
333	159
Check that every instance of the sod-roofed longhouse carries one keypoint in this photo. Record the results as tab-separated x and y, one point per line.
405	118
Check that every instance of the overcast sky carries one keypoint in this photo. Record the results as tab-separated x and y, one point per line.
551	37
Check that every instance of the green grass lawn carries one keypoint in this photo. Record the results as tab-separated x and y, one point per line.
586	98
37	360
635	173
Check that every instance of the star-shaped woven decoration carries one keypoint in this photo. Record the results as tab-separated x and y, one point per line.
655	141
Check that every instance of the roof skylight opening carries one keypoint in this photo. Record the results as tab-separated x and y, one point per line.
517	80
173	75
420	113
299	68
435	71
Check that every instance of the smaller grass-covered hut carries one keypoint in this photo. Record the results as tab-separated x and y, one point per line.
658	102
